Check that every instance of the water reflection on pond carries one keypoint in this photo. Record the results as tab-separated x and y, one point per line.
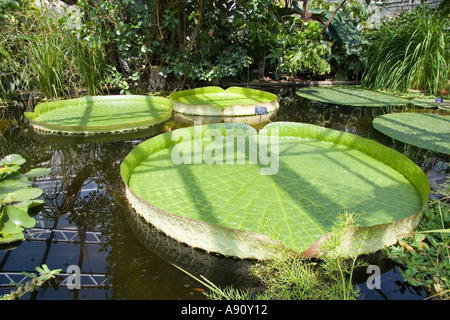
87	222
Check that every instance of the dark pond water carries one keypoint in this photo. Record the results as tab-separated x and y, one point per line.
86	220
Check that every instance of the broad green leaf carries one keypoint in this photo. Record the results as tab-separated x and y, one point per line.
14	216
9	238
7	170
21	194
234	209
423	130
100	114
215	101
350	96
38	172
13	159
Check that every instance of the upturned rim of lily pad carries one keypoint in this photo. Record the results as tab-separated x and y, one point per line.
210	108
252	245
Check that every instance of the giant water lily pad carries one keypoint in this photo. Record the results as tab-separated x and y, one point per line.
100	114
423	130
201	187
428	103
216	102
350	96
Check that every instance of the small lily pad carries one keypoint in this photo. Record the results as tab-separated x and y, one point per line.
350	96
423	130
17	196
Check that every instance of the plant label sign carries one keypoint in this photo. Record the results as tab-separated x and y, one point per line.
260	110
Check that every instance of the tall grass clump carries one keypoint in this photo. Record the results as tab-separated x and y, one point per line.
14	75
90	63
48	59
409	52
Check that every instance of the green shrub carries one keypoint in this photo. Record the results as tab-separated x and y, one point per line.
410	52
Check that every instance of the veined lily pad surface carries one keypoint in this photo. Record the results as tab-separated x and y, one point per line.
423	130
201	187
350	96
217	102
100	114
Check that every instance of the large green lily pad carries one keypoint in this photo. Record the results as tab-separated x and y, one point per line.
220	199
216	102
350	96
429	103
423	130
100	114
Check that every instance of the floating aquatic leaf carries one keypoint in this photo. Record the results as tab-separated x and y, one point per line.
100	114
12	159
38	172
423	130
17	196
427	103
234	209
215	101
350	96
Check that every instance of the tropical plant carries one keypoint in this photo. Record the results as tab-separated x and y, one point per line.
298	48
17	196
409	52
425	255
34	47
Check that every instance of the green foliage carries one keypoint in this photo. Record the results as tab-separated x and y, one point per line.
410	52
17	196
296	278
34	47
299	48
122	31
425	254
116	44
90	63
48	55
45	275
14	75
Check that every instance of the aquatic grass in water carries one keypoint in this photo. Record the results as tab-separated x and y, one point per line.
409	53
